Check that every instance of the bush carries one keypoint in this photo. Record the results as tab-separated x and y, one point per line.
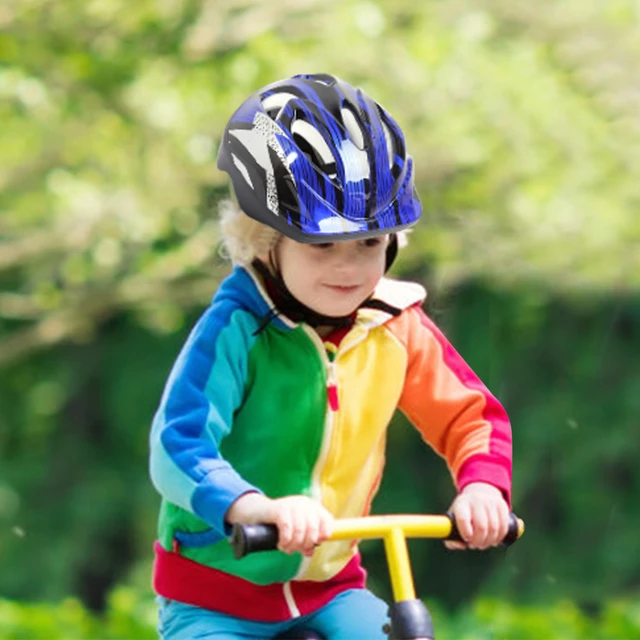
563	620
132	616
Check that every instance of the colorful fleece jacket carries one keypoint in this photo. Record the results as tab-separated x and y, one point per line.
248	410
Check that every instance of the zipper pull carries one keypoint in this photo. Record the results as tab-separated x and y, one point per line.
332	388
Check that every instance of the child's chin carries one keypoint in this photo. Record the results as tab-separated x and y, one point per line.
335	308
337	311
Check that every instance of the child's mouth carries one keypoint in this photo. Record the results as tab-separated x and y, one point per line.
341	288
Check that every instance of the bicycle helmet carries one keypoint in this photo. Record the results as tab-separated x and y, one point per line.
319	160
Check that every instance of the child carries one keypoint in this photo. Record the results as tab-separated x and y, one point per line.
277	407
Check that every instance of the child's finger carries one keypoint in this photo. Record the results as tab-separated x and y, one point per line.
285	531
454	545
290	530
500	521
311	535
299	533
326	527
505	520
462	513
480	524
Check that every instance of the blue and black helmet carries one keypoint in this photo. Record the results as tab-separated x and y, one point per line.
319	160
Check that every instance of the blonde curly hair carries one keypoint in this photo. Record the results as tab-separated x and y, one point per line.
243	238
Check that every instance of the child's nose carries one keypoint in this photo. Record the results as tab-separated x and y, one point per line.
347	260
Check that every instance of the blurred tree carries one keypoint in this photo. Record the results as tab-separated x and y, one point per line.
523	124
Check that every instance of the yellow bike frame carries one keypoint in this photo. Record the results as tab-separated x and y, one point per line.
395	530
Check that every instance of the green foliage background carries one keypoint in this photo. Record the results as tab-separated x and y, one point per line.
523	121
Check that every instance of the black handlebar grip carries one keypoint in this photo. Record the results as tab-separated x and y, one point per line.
512	534
247	538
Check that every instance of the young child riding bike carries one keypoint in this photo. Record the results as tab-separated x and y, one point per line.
276	409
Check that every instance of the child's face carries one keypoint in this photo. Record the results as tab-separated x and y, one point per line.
332	278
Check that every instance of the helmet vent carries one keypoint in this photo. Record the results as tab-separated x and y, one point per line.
312	144
322	78
389	141
353	128
273	104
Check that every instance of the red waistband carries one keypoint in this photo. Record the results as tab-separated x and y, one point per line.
179	578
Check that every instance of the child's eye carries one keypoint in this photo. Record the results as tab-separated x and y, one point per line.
372	242
323	245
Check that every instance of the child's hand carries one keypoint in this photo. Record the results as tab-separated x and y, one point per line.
303	523
482	517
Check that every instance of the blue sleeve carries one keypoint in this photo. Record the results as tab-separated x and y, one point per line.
204	389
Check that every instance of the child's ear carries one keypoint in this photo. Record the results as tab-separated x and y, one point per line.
269	258
268	251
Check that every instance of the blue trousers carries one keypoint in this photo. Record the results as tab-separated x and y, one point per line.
352	614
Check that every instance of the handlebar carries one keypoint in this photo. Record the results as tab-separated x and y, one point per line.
251	538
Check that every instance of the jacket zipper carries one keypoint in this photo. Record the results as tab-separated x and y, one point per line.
330	365
332	386
322	456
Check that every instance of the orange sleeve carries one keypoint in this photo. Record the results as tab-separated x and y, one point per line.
451	408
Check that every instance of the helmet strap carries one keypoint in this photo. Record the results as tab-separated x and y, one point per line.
392	251
288	304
